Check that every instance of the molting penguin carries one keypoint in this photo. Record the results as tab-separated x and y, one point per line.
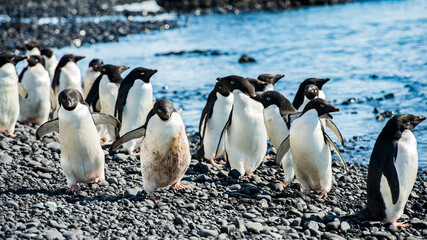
165	152
105	89
299	96
33	47
214	117
309	146
393	169
134	102
91	75
50	60
67	75
82	158
35	78
10	89
246	136
277	111
270	79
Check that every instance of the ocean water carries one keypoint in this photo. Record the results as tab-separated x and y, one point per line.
348	43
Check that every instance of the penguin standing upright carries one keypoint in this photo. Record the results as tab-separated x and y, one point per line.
393	169
10	89
309	145
311	92
91	74
299	96
67	75
105	89
277	111
214	117
82	158
270	79
50	61
246	136
165	152
33	47
35	78
134	102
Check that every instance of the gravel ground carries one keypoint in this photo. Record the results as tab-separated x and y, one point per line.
34	204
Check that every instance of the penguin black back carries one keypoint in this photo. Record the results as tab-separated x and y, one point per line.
299	96
64	60
382	162
48	52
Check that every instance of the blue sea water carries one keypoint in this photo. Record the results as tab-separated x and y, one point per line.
348	43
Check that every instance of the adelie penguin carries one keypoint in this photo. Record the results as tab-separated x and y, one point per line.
50	61
32	47
309	146
35	78
91	74
214	117
165	153
105	89
277	120
10	89
245	133
82	158
393	169
67	75
270	79
134	102
299	96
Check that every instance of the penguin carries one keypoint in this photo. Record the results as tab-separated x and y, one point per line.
35	78
91	74
309	145
50	60
82	158
67	75
33	47
260	86
270	79
214	117
299	96
393	169
165	152
134	102
10	89
277	111
245	133
105	89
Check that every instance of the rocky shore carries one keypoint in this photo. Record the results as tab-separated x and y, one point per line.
35	205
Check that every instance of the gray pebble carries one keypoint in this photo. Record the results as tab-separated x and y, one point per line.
208	233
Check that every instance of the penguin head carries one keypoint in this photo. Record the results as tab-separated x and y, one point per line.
399	123
112	71
70	58
222	89
95	63
34	59
258	84
270	78
163	108
9	57
48	52
234	82
319	82
269	98
30	44
69	98
141	73
311	91
322	107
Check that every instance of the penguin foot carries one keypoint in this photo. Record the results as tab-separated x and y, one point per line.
152	197
73	189
323	194
134	153
400	224
215	164
97	179
178	186
268	157
285	185
10	134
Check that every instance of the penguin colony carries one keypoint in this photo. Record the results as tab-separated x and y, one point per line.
239	116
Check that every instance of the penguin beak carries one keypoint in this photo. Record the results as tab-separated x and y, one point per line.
78	58
322	82
153	72
277	78
19	58
419	119
123	68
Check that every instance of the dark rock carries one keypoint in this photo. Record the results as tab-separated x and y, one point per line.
246	59
234	174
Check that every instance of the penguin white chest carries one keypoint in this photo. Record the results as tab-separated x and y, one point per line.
311	156
70	77
277	129
138	104
9	98
107	95
406	166
89	79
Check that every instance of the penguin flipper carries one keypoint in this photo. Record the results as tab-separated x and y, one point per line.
227	124
390	173
47	127
331	125
137	133
284	148
21	75
337	151
101	118
22	91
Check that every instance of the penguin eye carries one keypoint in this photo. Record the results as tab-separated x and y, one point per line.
322	105
408	122
232	82
268	98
